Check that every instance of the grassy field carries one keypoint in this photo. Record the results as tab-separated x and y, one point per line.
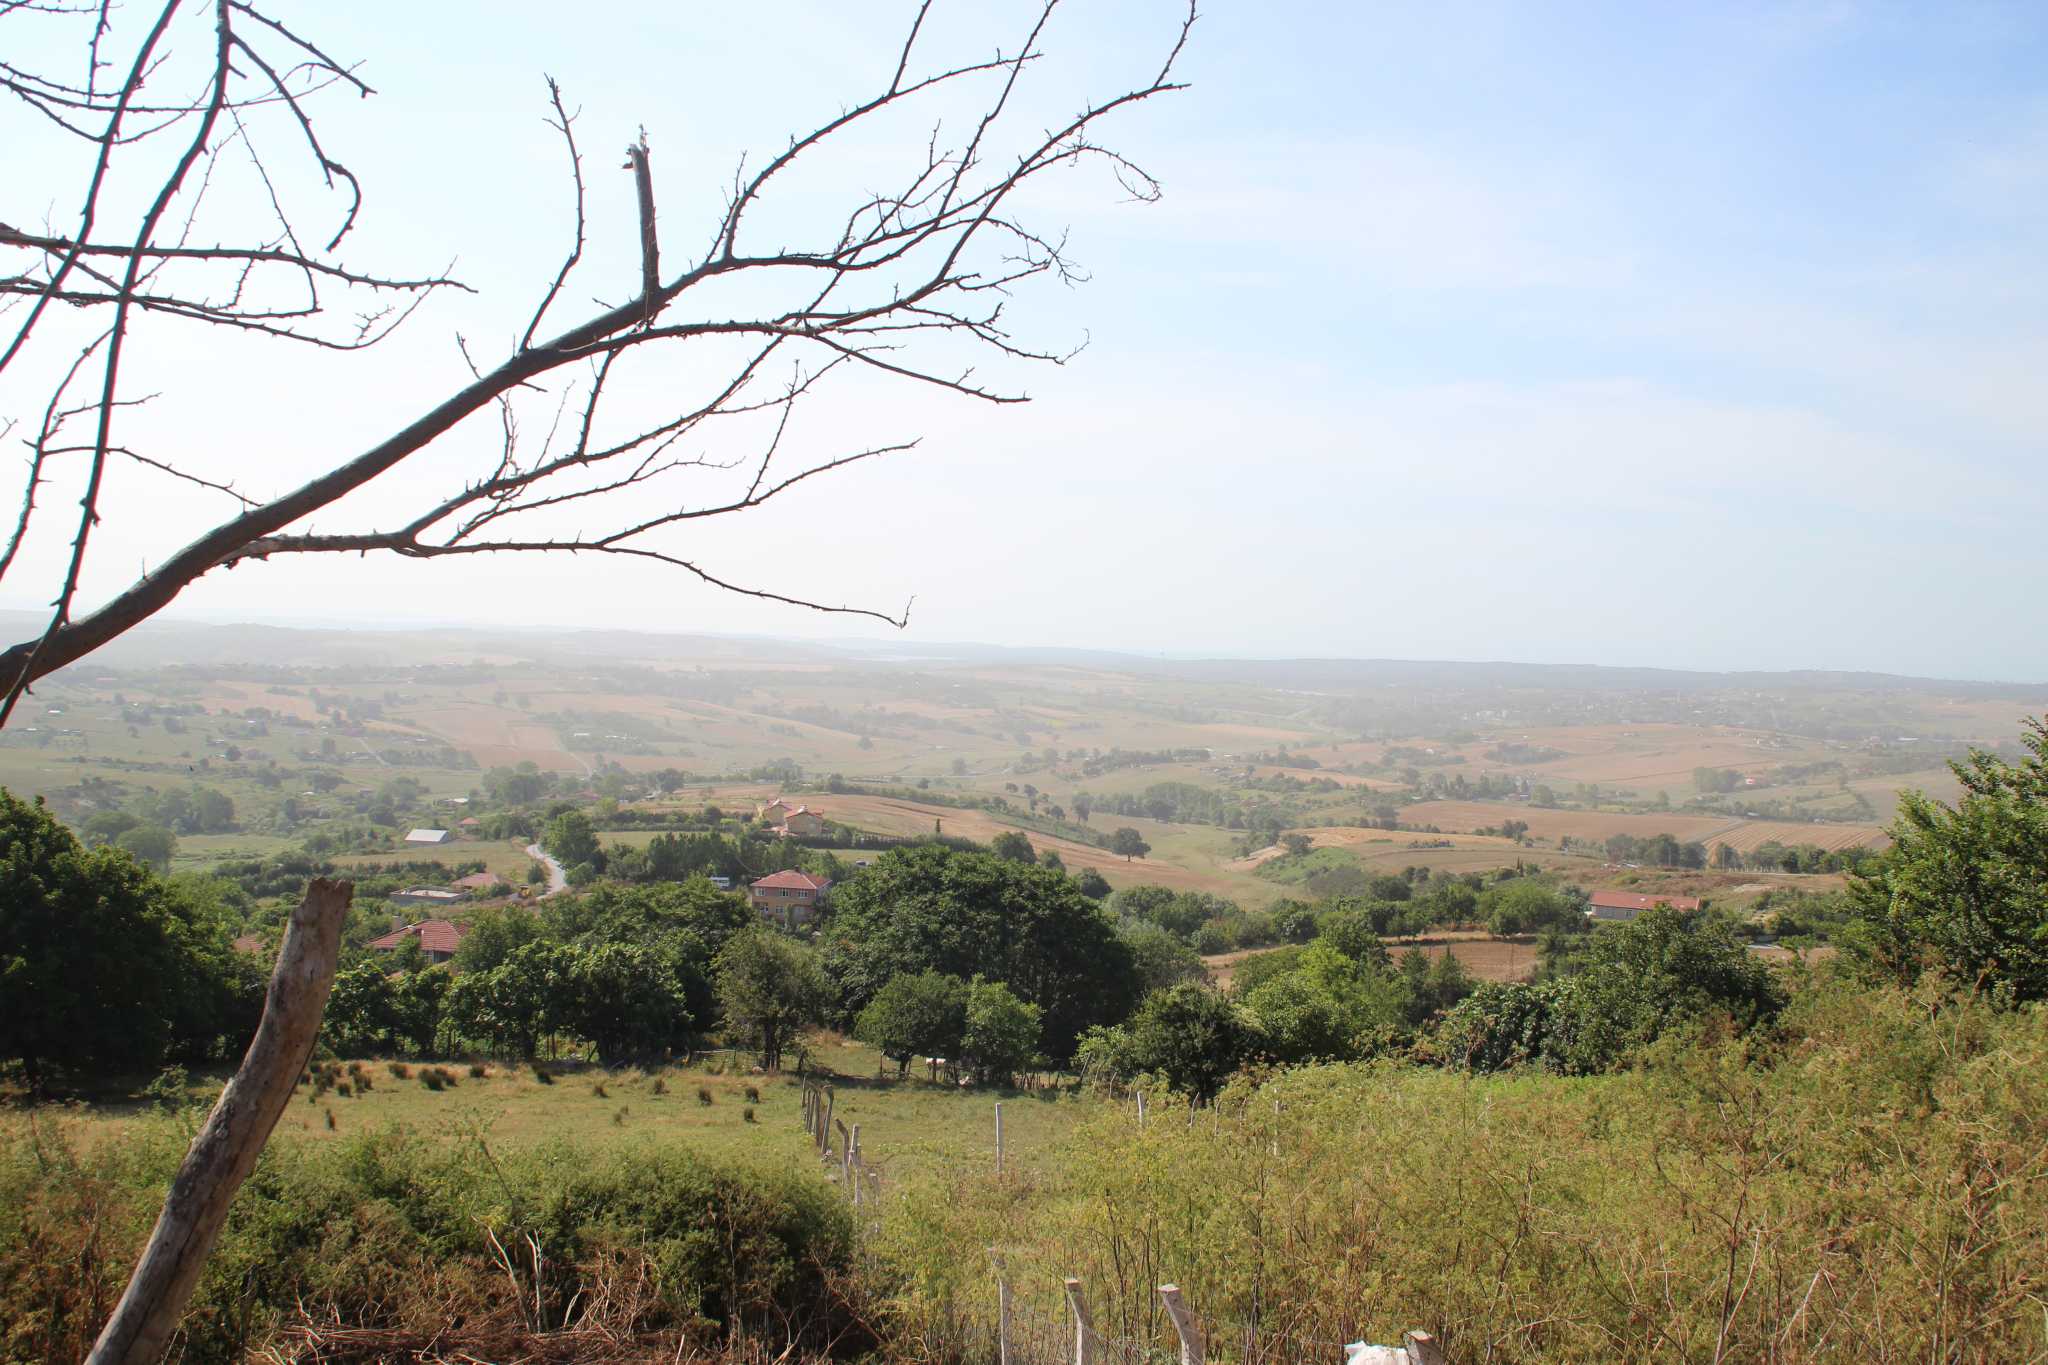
907	1126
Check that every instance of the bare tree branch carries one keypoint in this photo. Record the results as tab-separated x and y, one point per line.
936	259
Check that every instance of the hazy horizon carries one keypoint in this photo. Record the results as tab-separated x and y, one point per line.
903	647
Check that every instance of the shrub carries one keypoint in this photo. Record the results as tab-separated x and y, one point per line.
597	1089
430	1078
747	1114
401	1071
660	1086
381	1231
330	1118
478	1071
753	1094
542	1074
703	1094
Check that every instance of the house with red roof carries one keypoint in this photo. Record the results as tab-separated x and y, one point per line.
1626	905
438	939
791	897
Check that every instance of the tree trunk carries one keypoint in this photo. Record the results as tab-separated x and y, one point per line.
226	1149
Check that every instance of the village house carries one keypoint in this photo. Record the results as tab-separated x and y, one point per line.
424	837
789	819
790	897
1626	905
438	939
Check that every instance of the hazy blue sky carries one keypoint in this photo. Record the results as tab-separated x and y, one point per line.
1686	335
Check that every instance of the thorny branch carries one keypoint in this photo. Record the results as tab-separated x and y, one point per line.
935	260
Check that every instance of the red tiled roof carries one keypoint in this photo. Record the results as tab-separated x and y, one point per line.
435	936
1628	900
793	880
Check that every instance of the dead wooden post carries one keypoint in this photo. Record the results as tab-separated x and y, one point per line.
853	1164
1084	1330
999	1137
1183	1324
225	1151
1141	1109
1422	1349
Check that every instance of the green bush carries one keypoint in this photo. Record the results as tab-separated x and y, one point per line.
386	1229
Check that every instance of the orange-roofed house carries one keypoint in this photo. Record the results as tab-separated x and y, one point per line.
791	897
1622	905
438	939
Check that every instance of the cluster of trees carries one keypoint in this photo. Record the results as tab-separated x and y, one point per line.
1962	892
979	1023
1188	804
1342	998
106	966
1633	983
932	908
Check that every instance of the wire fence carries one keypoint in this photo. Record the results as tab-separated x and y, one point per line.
1030	1334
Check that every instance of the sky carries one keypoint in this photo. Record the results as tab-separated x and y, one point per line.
1667	335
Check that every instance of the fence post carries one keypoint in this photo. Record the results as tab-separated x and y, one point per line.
849	1163
1084	1330
825	1128
999	1137
1422	1349
1141	1109
1184	1324
1002	1310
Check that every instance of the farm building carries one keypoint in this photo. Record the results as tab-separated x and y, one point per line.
425	895
476	882
1625	905
429	836
791	819
438	939
791	897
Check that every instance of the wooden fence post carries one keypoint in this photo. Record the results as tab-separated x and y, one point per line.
1141	1109
1084	1330
999	1138
1422	1349
1183	1324
231	1139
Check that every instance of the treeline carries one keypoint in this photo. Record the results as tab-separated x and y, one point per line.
1188	804
1667	850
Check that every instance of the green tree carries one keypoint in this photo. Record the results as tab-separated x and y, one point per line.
1526	906
1014	845
920	1015
932	908
151	845
572	840
417	1002
624	999
1091	883
362	1017
1193	1037
103	966
1327	1007
1964	889
770	988
1127	844
1001	1034
1163	958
